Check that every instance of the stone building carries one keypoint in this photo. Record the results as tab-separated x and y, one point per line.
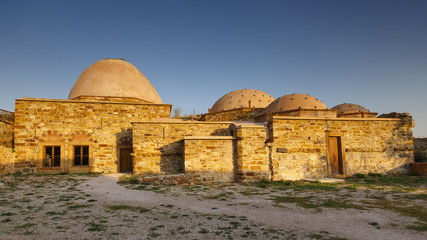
114	121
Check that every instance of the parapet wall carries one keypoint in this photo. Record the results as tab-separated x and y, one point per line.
159	147
240	114
103	126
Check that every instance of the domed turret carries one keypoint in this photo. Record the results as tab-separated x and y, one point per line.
349	108
241	98
114	78
294	101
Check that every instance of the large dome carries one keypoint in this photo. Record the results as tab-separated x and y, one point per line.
240	98
114	78
349	108
294	101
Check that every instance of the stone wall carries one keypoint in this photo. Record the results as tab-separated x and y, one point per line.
252	152
7	157
324	113
104	126
419	168
370	146
6	134
420	145
240	114
210	159
158	146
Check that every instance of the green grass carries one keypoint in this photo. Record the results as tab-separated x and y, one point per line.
297	185
332	203
128	208
300	201
25	226
95	227
396	183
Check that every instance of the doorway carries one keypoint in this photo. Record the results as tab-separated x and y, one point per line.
125	160
336	160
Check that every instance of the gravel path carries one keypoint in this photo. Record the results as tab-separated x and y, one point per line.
85	207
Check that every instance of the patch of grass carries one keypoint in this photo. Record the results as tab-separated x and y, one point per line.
127	207
7	214
331	203
25	226
94	227
297	185
419	226
315	236
128	179
52	213
219	196
375	224
300	201
77	206
418	212
397	183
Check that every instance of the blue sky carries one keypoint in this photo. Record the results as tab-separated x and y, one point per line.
373	53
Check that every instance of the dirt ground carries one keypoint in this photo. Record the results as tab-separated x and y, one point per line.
96	207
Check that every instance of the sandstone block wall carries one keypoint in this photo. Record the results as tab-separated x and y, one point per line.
7	157
6	134
240	114
252	152
419	168
370	146
420	151
104	126
210	159
158	146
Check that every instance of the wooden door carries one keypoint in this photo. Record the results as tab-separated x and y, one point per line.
335	156
125	160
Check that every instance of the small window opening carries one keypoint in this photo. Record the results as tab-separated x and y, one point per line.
81	155
52	156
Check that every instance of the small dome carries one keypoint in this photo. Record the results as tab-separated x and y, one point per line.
349	108
240	98
114	78
294	101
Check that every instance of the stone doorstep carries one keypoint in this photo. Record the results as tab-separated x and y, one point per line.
324	180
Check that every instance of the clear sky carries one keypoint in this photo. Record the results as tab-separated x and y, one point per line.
373	53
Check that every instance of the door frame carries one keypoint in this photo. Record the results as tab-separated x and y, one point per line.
341	142
119	148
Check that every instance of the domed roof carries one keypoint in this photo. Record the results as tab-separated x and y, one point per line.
294	101
240	98
114	78
349	108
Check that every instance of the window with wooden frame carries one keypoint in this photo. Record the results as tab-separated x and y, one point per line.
52	156
81	155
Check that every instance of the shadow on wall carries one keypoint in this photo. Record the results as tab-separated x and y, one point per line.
124	137
172	157
420	151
